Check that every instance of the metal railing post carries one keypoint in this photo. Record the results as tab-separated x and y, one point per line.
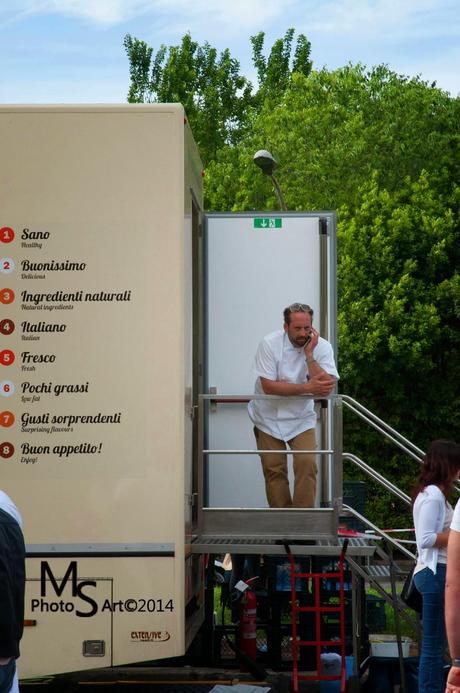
337	464
324	500
200	463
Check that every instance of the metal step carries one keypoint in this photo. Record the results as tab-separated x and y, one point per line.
381	572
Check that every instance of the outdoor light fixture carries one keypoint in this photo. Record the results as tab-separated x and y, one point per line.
265	161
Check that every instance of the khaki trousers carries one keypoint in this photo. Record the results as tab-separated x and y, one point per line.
276	474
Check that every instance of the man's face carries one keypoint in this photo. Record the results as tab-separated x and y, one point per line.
298	330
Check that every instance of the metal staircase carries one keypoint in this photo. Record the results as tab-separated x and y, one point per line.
384	569
250	530
374	557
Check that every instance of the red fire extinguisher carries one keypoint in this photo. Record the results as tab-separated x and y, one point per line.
247	628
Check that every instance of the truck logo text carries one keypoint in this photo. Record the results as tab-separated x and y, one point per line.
82	600
79	588
150	636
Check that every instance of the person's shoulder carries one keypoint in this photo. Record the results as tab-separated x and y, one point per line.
8	506
322	342
274	337
5	500
324	348
433	491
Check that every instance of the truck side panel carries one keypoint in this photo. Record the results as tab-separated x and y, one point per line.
97	389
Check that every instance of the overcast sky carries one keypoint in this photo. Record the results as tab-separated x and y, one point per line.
64	51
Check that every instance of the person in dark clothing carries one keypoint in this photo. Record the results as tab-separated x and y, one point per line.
12	588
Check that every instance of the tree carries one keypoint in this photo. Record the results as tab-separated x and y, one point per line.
218	100
275	72
331	130
399	322
216	97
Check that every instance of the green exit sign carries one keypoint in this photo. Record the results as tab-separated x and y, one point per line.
268	223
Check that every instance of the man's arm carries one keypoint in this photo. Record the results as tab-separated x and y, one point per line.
314	368
453	608
318	386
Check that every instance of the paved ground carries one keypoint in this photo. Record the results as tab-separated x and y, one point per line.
159	680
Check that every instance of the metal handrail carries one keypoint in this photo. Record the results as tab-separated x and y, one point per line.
395	490
362	412
380	425
331	450
271	452
356	407
379	532
230	398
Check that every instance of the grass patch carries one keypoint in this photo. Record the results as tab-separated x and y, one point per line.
390	626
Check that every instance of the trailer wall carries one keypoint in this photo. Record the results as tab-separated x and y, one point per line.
99	382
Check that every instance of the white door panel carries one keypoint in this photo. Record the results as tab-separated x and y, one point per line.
252	275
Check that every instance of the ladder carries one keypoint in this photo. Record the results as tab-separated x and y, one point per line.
318	610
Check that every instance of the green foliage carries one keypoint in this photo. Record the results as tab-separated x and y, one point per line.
407	630
274	73
399	324
216	97
396	251
330	131
218	100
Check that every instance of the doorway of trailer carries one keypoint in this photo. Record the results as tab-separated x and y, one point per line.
256	264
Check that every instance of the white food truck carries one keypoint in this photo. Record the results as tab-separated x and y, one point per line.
98	209
118	307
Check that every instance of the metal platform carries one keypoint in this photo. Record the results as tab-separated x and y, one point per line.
357	546
308	531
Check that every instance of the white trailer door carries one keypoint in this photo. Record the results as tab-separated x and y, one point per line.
256	266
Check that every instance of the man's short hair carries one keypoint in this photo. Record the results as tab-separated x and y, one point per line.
296	308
